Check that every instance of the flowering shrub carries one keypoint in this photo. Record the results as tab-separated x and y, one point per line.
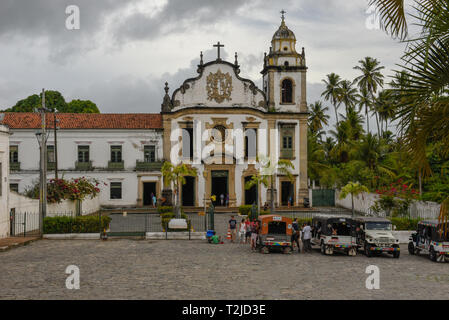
395	199
73	189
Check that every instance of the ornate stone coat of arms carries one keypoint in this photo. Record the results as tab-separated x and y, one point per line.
219	86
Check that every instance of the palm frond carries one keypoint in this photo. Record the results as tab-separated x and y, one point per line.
392	17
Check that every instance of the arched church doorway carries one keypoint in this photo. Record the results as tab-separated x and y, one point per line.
287	192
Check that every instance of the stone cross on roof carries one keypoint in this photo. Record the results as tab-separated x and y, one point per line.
218	46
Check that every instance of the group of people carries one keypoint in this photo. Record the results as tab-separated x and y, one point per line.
224	199
248	231
303	233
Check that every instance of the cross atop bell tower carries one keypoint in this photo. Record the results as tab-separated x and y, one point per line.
283	12
218	46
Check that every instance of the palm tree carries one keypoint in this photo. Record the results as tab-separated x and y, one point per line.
385	107
371	78
424	110
331	91
318	117
352	189
268	171
364	100
176	175
346	94
355	122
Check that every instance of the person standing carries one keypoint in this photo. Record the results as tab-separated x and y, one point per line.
307	235
248	231
254	233
242	232
295	234
233	228
222	199
154	201
227	199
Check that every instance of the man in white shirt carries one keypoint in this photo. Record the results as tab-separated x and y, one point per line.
307	235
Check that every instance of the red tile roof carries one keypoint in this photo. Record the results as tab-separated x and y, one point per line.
30	120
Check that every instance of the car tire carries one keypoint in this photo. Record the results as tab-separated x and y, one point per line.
323	248
432	254
411	248
367	251
396	254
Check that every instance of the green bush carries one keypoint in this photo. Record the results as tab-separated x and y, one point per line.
245	209
166	209
81	224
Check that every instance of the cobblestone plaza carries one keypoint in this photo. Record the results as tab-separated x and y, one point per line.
141	269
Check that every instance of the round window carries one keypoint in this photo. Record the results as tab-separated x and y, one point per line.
218	133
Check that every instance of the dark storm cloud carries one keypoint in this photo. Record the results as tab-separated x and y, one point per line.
176	16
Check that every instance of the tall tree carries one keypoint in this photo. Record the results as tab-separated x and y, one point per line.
331	92
346	94
318	117
371	79
54	101
364	101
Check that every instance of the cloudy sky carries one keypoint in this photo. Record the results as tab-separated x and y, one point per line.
124	51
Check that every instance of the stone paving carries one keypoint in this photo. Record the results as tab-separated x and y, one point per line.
176	269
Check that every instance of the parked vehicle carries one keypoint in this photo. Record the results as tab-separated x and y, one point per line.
428	239
275	234
334	233
374	236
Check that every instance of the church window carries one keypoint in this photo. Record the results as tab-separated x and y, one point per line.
285	48
116	190
187	143
149	153
219	133
286	63
287	91
83	153
116	153
287	138
250	143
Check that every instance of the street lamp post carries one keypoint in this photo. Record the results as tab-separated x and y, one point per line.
41	135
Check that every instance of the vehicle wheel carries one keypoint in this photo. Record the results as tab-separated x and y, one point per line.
264	250
411	248
323	248
287	250
432	254
367	251
396	254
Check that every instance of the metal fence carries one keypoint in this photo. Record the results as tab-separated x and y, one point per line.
137	224
23	224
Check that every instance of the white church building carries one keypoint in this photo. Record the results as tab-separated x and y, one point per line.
217	122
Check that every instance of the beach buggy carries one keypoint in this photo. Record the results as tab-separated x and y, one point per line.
429	240
334	233
275	234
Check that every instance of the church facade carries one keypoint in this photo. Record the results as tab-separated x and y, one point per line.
217	122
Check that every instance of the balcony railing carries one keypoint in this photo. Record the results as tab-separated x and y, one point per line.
83	166
14	166
116	165
287	154
148	166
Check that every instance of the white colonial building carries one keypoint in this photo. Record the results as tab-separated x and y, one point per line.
217	122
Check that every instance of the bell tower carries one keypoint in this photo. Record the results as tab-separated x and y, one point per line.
284	72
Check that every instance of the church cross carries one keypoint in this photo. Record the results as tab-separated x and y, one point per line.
218	46
283	12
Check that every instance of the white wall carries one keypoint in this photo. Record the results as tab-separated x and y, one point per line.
24	204
363	202
4	183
